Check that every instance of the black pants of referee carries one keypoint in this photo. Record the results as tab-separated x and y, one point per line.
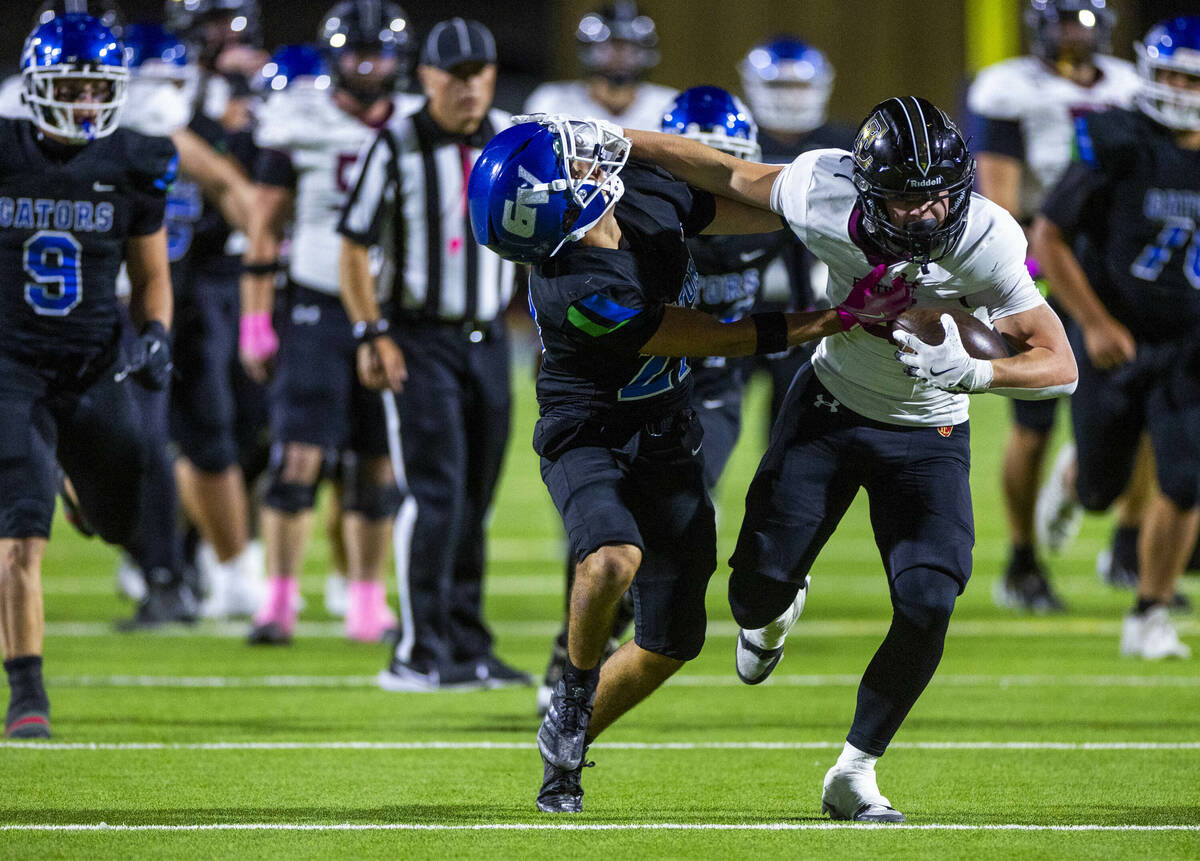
448	445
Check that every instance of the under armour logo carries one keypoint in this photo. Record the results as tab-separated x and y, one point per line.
821	402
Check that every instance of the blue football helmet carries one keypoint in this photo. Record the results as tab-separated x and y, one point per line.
539	185
1172	45
152	52
716	118
74	48
787	83
292	64
105	11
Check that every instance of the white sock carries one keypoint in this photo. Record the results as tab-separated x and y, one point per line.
853	759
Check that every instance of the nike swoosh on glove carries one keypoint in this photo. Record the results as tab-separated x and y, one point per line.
868	304
945	365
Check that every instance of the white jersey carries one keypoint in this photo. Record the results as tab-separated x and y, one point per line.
986	269
572	97
11	105
1024	90
155	107
323	143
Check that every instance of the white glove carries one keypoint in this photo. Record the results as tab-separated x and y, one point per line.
946	365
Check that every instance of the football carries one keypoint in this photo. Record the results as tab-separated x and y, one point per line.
980	340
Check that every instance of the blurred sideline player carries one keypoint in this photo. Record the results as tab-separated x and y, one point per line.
618	47
77	195
1134	193
310	135
901	202
611	293
1023	112
787	84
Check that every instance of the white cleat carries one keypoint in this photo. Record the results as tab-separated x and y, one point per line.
1057	514
233	587
853	795
1152	636
760	649
337	595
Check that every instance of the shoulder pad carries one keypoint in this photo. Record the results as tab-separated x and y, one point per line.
153	162
288	117
1002	91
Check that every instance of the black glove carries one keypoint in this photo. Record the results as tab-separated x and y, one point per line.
151	364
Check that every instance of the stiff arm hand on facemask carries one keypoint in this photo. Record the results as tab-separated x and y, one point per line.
946	365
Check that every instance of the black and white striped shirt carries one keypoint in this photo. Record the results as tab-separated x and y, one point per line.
409	197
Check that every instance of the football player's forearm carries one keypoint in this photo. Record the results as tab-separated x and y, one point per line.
357	285
1036	374
687	332
1000	181
706	168
262	249
150	296
1063	273
219	178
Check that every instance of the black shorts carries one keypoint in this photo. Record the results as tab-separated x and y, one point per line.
1159	392
1035	415
717	399
649	493
316	397
78	415
917	480
205	353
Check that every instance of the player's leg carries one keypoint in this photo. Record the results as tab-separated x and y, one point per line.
210	482
1025	584
335	580
920	497
488	420
1172	518
803	486
1117	564
717	399
371	499
27	472
427	439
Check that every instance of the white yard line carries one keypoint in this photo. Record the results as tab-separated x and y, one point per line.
46	746
874	628
695	680
582	826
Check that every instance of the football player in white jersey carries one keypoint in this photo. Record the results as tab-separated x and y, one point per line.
863	414
310	135
617	48
1024	111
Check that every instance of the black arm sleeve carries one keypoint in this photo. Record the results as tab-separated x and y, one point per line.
1002	137
274	167
1071	202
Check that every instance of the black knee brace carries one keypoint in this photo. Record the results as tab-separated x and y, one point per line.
288	497
372	501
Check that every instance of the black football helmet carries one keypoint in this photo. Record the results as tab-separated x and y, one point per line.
186	19
617	43
908	151
367	28
107	12
1065	34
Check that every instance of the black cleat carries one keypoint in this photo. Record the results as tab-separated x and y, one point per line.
561	737
269	634
1116	572
554	672
29	718
167	601
496	674
1029	590
562	789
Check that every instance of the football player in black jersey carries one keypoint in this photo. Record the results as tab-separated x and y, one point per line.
1132	203
611	292
78	196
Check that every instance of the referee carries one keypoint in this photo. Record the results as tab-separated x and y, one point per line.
443	352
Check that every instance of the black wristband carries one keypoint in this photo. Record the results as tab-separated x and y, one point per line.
270	267
155	328
772	332
366	331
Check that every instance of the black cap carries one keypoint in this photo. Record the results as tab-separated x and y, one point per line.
458	41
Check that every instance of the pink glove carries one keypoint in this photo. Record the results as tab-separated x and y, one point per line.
256	338
870	305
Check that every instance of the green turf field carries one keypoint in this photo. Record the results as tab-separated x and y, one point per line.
1035	739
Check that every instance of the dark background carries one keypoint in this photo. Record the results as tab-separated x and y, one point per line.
878	47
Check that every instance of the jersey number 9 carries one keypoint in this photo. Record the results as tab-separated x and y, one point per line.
53	261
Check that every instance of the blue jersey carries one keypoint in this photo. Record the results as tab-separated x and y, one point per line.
65	215
596	307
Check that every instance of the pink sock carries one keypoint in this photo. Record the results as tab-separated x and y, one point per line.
281	604
367	612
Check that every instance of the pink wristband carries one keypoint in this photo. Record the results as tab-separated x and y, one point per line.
256	337
847	319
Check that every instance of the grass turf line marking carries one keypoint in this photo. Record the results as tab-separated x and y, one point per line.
685	680
582	826
616	745
874	628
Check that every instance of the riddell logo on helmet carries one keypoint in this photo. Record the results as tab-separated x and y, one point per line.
924	183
